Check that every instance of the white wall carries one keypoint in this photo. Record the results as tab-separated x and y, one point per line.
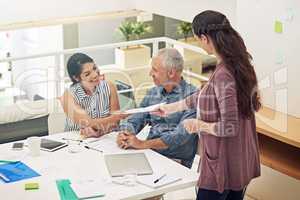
20	11
32	75
275	55
100	32
187	9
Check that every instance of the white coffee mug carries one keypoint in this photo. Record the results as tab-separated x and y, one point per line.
34	145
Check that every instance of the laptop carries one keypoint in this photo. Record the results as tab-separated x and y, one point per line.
129	163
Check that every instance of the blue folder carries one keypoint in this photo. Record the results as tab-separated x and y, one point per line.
16	171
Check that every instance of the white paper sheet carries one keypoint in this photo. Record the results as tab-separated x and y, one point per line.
142	110
85	190
148	180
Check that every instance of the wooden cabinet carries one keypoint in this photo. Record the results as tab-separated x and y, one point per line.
279	141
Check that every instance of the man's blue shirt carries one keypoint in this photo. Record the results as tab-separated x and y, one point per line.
181	144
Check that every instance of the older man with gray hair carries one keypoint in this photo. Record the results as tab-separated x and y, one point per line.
167	135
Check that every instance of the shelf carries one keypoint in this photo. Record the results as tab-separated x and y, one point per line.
280	126
280	156
279	141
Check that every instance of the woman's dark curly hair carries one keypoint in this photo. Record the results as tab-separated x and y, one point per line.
231	48
75	63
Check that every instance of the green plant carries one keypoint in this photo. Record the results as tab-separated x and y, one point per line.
184	28
140	28
126	28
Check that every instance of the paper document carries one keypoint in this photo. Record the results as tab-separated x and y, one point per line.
151	180
72	136
145	109
107	144
87	190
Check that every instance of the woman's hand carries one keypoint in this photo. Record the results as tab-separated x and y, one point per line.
88	132
118	115
163	110
196	125
192	125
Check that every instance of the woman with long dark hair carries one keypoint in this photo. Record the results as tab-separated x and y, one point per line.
226	108
90	100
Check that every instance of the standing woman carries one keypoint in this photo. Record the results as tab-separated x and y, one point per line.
90	100
226	112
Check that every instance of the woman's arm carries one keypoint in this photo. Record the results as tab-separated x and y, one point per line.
228	123
167	109
79	116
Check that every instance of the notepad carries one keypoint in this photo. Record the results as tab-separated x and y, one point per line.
148	180
87	190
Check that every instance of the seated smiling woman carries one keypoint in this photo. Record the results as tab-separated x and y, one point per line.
90	100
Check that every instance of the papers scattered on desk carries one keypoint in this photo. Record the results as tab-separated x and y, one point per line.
142	110
87	190
72	136
107	144
149	180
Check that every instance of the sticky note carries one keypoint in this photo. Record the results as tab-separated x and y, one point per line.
278	27
31	186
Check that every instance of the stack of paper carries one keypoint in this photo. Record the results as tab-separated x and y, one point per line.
78	190
87	190
151	180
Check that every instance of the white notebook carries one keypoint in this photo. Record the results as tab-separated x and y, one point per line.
87	190
148	180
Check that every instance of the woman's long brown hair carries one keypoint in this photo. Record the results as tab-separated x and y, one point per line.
230	46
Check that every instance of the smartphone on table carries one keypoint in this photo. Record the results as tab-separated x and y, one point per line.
17	146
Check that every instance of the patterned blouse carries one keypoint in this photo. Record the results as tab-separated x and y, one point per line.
96	105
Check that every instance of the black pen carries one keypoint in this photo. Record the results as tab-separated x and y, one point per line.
159	178
75	140
87	147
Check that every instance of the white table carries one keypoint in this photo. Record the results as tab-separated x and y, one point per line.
87	165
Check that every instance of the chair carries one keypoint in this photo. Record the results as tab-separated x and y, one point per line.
126	99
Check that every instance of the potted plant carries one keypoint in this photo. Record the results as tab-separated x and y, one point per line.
126	29
184	28
140	28
134	56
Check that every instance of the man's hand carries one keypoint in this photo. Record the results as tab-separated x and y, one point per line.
122	138
126	140
88	132
133	142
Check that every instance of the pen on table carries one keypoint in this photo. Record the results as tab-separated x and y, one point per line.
87	147
155	181
76	140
